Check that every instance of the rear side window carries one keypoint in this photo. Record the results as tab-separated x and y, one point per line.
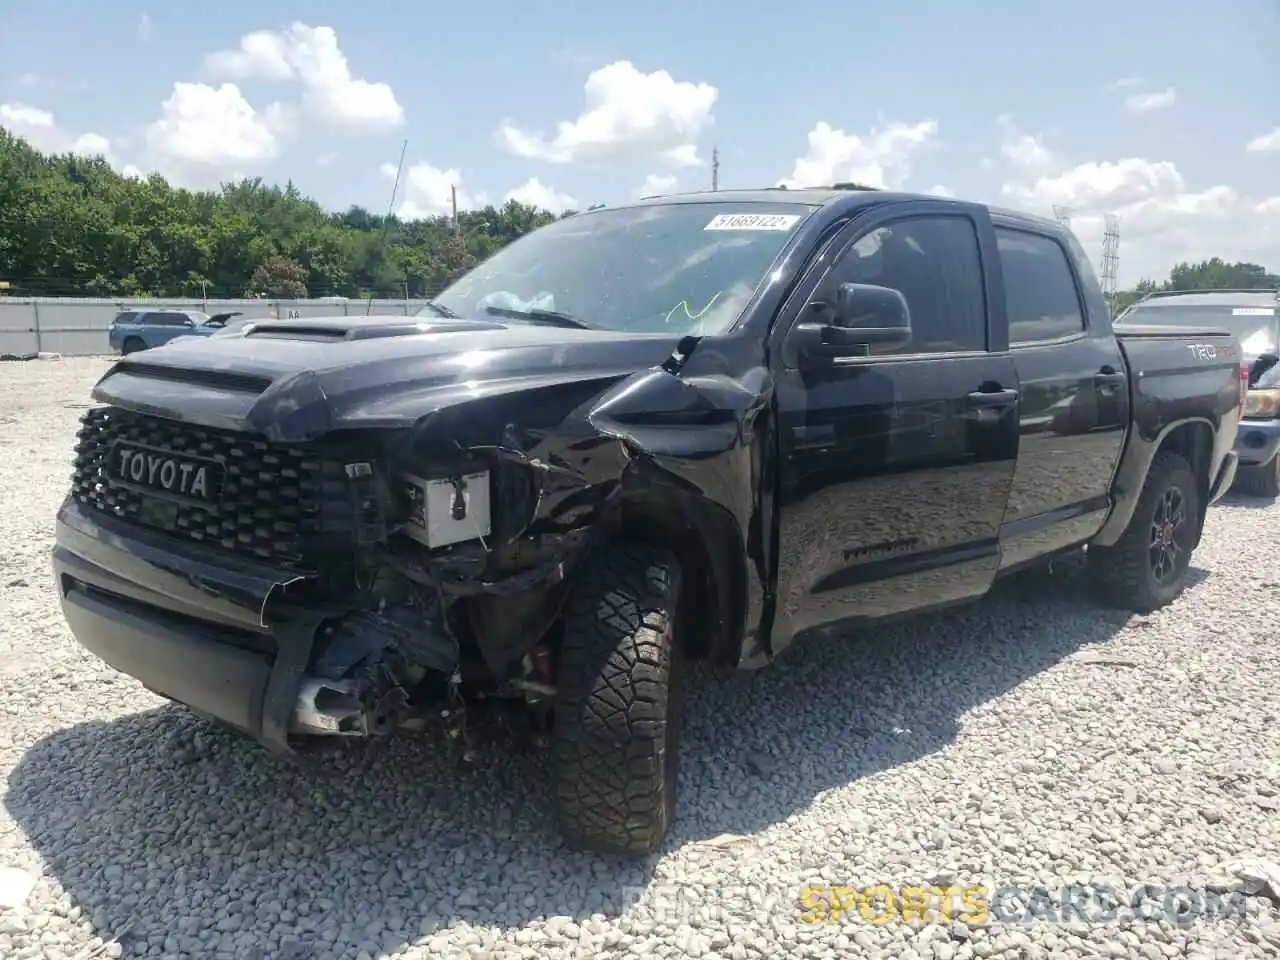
167	318
125	317
1040	289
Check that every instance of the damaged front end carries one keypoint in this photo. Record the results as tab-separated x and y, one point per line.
397	566
452	585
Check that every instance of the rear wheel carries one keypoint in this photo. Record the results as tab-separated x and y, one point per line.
1260	481
1147	568
617	717
133	345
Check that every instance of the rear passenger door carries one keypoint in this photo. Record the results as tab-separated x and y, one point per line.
1074	398
894	467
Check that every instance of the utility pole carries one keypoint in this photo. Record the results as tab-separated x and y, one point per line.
453	190
715	169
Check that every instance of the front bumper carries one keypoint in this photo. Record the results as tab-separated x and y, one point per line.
185	629
1257	441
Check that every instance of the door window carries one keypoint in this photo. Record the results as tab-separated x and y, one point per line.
170	319
1040	289
935	264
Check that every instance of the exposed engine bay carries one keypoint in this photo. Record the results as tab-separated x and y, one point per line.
452	592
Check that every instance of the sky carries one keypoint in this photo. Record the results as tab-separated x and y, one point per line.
1163	115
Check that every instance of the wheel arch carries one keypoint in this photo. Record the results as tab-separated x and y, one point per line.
705	540
1192	439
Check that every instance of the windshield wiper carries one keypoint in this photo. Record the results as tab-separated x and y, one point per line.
441	310
553	317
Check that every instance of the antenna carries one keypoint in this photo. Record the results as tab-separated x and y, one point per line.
386	222
1110	256
715	169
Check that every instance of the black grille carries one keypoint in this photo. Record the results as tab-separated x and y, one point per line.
280	503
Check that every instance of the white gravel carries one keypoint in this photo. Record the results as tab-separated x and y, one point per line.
1032	739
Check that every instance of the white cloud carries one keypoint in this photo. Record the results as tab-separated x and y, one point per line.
534	193
881	159
206	134
261	55
939	190
428	191
1265	143
311	56
1150	102
1127	83
41	130
627	116
1025	153
657	184
1163	219
144	28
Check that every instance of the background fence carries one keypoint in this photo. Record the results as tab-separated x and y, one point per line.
77	326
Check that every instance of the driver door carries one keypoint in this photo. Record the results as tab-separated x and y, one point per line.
895	467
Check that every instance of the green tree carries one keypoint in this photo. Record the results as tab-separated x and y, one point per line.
73	226
1212	274
279	278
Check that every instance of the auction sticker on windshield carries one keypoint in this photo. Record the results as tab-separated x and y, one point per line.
753	221
1253	312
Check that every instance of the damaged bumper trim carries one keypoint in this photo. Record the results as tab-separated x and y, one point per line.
180	580
195	633
216	670
206	637
175	659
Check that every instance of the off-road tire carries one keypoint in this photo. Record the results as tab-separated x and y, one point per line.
616	726
132	345
1124	572
1260	481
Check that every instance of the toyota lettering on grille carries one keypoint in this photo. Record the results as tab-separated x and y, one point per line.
166	473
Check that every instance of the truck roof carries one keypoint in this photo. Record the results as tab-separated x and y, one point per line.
847	198
1213	298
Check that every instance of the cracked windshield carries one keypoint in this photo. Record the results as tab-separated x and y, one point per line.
639	481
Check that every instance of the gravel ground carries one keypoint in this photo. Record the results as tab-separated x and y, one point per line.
1031	740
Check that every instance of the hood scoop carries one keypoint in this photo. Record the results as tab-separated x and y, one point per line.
332	332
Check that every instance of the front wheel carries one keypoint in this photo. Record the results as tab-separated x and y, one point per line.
1147	567
1260	481
617	715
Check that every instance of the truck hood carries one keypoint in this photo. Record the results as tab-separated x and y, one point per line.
297	379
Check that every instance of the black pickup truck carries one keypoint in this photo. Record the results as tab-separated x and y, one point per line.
690	428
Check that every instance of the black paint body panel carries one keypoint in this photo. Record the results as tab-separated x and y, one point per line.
809	497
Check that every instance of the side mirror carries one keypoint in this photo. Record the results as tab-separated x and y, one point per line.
863	314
